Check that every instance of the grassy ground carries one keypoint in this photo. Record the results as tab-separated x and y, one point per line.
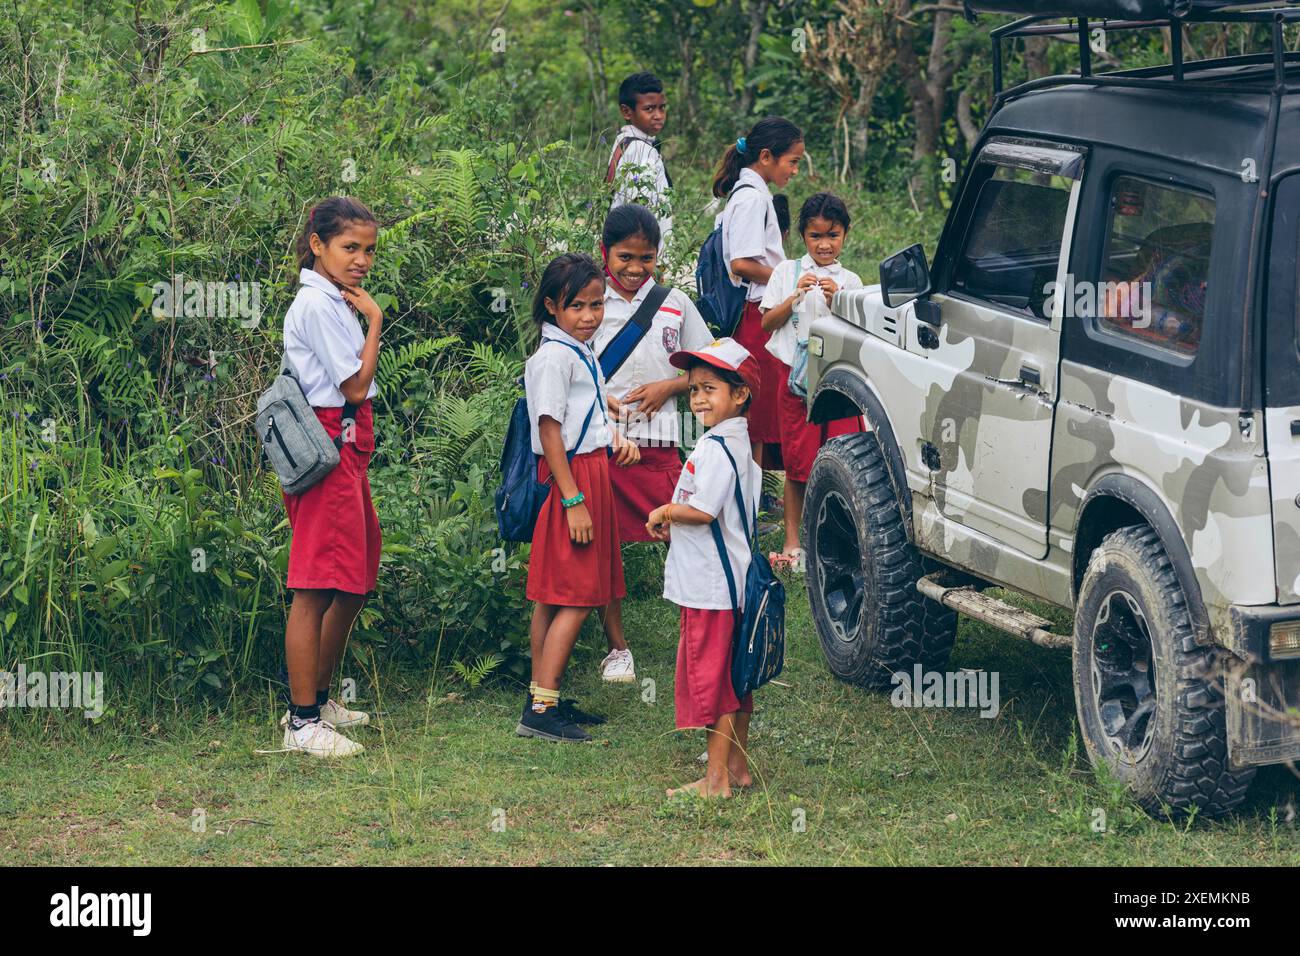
871	783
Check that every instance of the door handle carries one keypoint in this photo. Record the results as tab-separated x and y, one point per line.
1030	376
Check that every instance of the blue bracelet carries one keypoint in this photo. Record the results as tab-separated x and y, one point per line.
571	502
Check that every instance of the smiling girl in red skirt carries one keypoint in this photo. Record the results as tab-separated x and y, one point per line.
334	552
751	243
643	390
575	564
798	293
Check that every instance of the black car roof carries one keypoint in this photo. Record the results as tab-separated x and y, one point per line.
1214	129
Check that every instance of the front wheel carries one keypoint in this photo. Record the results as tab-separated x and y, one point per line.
1149	706
862	570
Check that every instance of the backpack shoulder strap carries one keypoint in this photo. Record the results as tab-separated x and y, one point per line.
618	349
620	148
740	498
591	367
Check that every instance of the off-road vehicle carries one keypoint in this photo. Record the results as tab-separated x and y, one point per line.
1091	397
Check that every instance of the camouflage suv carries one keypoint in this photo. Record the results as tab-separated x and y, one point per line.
1092	397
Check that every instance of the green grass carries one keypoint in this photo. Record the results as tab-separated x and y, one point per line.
875	784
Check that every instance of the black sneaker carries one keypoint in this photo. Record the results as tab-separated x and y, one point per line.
550	725
569	711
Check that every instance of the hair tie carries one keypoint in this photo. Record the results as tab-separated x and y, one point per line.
740	146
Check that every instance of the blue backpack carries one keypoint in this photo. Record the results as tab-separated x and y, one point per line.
758	647
520	497
720	303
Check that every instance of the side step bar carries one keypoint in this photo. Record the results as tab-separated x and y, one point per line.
964	599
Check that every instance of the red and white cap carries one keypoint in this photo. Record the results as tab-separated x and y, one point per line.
723	353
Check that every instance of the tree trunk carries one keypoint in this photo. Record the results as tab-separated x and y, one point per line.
757	20
928	91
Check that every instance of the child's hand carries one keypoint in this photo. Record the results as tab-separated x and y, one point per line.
579	524
806	282
651	396
615	407
626	451
829	288
360	300
658	525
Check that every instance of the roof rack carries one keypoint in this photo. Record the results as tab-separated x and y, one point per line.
1045	24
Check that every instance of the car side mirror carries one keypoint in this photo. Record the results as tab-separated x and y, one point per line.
904	276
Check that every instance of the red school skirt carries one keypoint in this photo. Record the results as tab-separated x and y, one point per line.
800	438
577	575
336	538
764	424
641	488
703	691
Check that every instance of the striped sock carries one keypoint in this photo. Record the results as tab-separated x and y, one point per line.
544	699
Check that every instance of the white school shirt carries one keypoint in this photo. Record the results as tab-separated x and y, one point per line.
557	383
693	575
813	307
744	235
651	187
323	340
677	325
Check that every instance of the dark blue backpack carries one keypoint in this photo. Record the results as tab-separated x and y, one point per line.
758	647
520	498
720	303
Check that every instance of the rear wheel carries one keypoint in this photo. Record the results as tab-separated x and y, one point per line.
1149	704
862	570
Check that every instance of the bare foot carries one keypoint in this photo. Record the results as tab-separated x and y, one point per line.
739	777
702	788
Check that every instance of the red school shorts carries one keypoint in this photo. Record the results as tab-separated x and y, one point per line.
800	439
336	538
703	691
641	488
764	425
577	575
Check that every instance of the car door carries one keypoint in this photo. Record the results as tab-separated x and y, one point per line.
1001	290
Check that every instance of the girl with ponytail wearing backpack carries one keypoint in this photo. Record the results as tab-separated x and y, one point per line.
767	155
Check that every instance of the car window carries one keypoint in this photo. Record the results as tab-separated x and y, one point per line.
1014	241
1156	264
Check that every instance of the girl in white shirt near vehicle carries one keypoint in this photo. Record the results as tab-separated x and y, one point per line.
751	243
642	392
723	383
334	549
798	293
575	564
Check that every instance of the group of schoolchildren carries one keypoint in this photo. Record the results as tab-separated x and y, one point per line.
610	449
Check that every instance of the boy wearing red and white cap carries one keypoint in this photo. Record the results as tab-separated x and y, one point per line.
723	380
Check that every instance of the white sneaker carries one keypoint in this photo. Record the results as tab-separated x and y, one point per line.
335	713
320	740
617	668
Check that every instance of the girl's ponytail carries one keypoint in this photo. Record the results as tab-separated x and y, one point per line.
728	172
773	133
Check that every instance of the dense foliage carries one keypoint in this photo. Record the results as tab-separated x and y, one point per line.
146	145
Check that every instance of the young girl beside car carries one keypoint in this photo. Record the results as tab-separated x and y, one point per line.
334	550
798	293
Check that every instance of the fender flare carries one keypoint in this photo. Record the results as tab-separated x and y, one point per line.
1139	496
841	393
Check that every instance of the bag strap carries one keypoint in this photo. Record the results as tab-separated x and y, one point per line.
620	147
591	367
716	528
794	316
620	348
349	413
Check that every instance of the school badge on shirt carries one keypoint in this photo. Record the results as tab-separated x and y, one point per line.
670	340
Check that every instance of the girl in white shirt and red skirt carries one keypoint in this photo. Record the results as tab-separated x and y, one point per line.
575	564
334	550
768	154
